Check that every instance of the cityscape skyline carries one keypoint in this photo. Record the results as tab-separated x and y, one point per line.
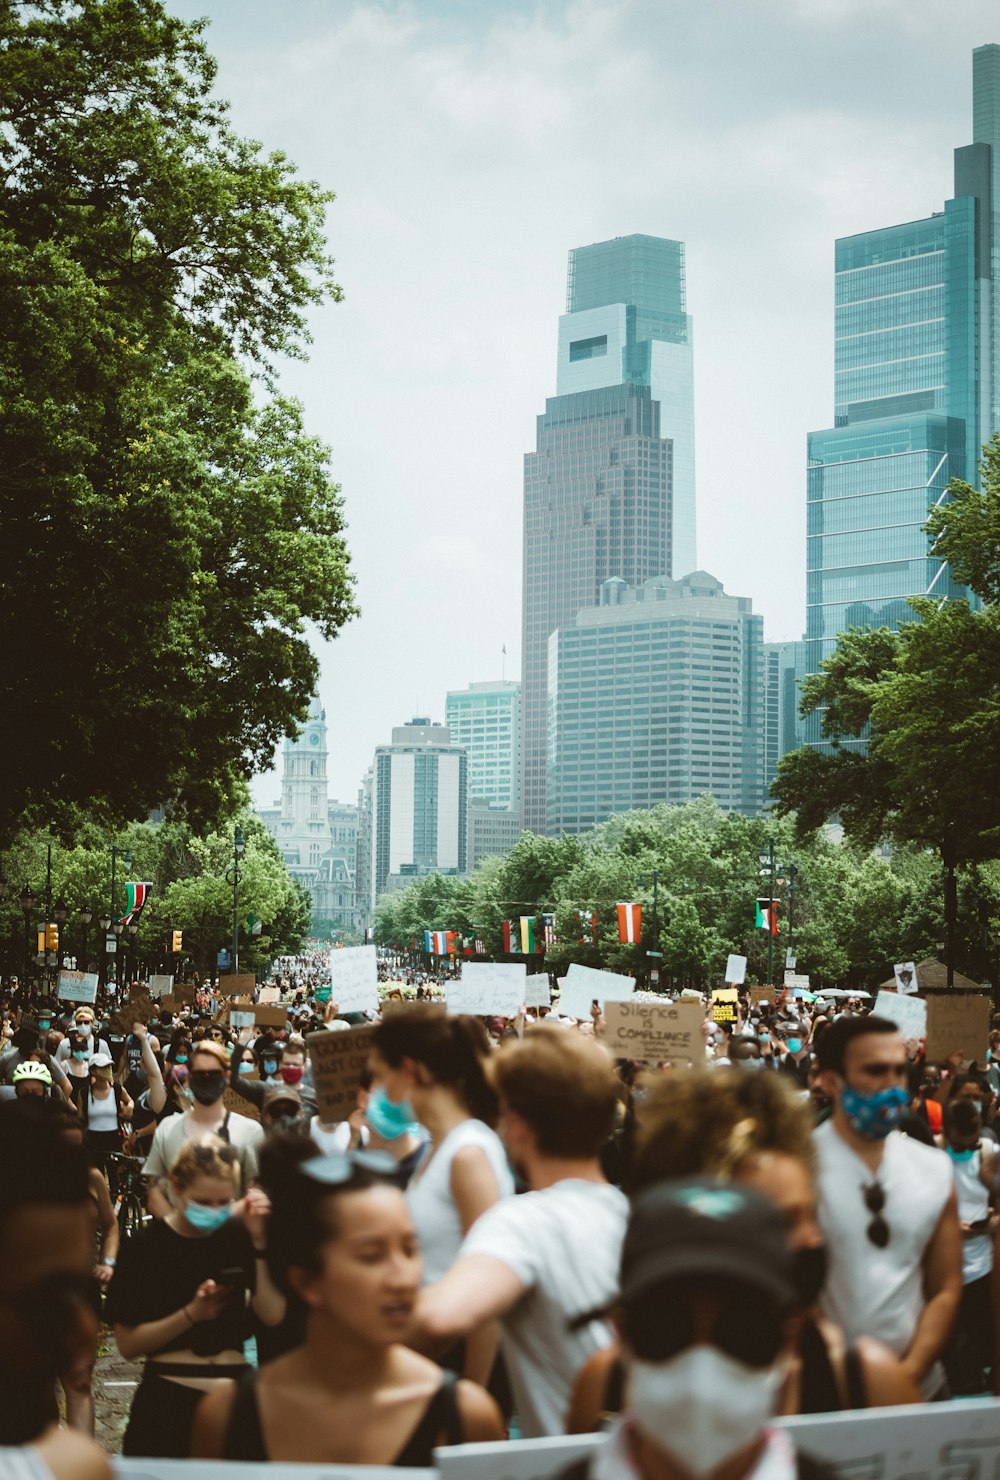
471	148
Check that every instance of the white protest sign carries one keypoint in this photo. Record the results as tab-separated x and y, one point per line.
583	985
537	991
161	986
214	1469
736	971
905	973
241	1019
77	986
655	1030
354	979
488	988
908	1013
527	1459
924	1442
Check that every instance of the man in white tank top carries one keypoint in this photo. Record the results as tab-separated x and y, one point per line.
887	1205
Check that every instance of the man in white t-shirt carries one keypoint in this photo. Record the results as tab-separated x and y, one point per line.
539	1263
886	1205
83	1022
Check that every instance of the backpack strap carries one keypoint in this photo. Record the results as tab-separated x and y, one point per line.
857	1396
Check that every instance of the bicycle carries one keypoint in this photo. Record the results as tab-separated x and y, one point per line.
132	1208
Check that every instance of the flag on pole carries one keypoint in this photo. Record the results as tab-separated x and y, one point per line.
629	923
529	942
436	942
549	929
767	915
135	897
511	939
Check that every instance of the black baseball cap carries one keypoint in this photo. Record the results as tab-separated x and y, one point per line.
701	1226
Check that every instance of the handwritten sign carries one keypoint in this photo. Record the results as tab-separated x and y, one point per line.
243	1019
736	970
242	985
161	986
957	1025
760	996
725	1005
269	1017
655	1030
488	988
338	1060
583	985
537	991
354	979
908	1013
269	994
235	1102
77	986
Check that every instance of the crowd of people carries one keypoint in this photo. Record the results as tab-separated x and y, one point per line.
510	1234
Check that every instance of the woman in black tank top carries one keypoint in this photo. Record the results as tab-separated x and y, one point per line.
341	1239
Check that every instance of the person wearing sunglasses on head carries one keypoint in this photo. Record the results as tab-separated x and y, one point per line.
887	1205
706	1318
183	1293
341	1240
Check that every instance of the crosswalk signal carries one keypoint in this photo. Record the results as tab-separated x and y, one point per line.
178	942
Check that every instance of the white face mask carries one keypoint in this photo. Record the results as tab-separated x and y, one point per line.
702	1406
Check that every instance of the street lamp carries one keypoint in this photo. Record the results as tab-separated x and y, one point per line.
772	869
239	848
104	924
85	915
126	858
133	930
655	956
27	909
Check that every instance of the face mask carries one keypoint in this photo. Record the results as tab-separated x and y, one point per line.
293	1073
874	1116
963	1153
795	1045
246	1068
388	1120
764	1037
80	1054
207	1091
206	1219
44	1026
270	1065
181	1058
752	1064
702	1406
809	1274
85	1030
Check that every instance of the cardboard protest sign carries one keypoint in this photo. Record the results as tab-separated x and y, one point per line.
338	1061
762	994
184	993
908	1013
270	1017
488	989
725	1005
354	979
583	985
269	994
905	973
77	986
137	1010
235	1102
161	986
537	991
655	1030
736	971
957	1023
242	985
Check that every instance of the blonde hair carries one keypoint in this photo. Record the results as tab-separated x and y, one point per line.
208	1045
210	1156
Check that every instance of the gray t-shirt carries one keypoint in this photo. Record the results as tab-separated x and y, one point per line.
244	1135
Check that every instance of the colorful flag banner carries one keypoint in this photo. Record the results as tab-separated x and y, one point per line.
767	915
436	942
549	930
528	935
511	938
587	923
135	897
629	923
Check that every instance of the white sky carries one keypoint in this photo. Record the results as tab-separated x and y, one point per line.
472	143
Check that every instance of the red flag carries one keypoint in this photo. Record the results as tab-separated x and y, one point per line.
629	923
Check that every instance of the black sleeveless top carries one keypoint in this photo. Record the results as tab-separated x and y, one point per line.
245	1439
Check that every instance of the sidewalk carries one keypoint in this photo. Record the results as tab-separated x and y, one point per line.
115	1382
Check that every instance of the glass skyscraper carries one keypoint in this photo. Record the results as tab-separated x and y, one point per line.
917	384
486	719
609	489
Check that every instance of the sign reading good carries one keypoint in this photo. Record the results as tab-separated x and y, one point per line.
908	1013
354	979
488	989
242	985
655	1030
957	1024
583	985
77	986
725	1005
338	1060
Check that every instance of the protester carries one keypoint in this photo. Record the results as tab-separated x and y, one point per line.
887	1205
342	1240
83	1028
974	1165
180	1295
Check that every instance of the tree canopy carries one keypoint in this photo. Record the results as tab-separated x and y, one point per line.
170	528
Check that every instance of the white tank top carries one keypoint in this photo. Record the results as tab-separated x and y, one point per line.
432	1209
973	1205
102	1115
23	1463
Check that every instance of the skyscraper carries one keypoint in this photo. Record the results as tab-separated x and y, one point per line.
419	807
486	719
917	379
598	489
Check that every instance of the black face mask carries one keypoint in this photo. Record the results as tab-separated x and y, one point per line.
207	1088
809	1274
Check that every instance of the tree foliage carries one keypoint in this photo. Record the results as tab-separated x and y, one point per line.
169	526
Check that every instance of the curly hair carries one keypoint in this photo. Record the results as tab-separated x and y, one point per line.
713	1122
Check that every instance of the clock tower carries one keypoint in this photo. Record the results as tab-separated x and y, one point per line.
304	828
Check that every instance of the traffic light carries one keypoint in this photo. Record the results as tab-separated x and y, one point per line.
52	937
178	942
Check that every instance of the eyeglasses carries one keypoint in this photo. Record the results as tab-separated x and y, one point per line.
878	1228
206	1156
339	1166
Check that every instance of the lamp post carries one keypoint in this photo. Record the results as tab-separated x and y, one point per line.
104	924
793	874
655	956
133	930
126	858
233	877
27	909
86	915
772	869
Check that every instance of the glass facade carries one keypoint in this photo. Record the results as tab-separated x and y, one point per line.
655	696
419	806
915	382
485	718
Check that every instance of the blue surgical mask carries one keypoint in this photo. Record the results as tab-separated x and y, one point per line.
388	1120
966	1154
206	1219
245	1067
874	1116
794	1045
181	1058
80	1054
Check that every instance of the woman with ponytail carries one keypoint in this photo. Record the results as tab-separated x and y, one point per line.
431	1069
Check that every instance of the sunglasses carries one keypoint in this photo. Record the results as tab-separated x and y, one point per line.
339	1166
747	1327
878	1228
206	1156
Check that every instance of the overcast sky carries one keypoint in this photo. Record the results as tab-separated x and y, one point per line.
471	144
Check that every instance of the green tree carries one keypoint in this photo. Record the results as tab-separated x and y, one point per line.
169	527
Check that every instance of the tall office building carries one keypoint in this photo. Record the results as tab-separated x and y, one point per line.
486	719
784	668
917	372
419	807
598	489
656	695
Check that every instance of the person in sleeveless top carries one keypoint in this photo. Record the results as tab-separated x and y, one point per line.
974	1165
47	1320
706	1315
753	1130
341	1239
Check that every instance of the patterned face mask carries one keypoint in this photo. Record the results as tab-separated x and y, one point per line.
874	1116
